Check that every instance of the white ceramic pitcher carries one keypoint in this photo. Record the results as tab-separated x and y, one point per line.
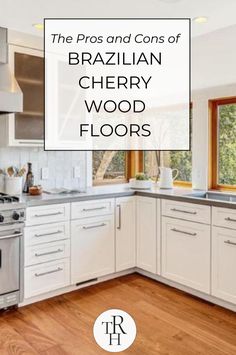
167	178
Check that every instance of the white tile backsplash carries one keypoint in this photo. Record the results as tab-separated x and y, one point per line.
60	165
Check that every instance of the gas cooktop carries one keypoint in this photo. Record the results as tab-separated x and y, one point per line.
4	198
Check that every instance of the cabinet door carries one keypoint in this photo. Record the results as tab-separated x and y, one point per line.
224	264
92	248
125	233
186	253
146	234
27	127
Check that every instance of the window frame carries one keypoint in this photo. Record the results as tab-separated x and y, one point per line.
134	163
213	143
177	183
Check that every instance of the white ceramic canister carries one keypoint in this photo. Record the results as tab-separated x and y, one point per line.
13	185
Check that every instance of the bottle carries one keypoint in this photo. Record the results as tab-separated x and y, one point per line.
29	181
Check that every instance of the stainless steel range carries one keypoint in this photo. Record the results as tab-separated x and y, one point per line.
12	216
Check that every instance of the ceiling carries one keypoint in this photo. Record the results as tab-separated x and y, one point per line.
21	14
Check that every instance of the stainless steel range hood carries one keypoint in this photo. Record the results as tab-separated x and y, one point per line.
11	97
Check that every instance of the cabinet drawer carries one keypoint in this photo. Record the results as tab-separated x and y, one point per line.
42	253
186	253
47	214
46	233
46	277
224	217
184	210
92	208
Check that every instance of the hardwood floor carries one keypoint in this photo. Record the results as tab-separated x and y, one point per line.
168	322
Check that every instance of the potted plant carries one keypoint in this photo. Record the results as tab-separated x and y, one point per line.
141	181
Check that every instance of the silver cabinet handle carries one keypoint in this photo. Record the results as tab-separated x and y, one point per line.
95	226
119	218
48	272
229	242
45	234
183	232
230	219
93	209
48	214
183	211
49	252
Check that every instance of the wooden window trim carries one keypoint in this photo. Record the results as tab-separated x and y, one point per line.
134	164
213	143
177	183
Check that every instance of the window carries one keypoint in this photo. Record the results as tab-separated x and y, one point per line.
181	160
109	166
223	144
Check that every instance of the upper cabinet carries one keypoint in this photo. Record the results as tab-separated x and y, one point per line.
27	128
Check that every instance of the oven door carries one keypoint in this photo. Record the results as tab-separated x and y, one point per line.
9	259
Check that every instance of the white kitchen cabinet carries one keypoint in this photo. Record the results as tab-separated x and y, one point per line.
26	128
125	233
46	233
185	210
46	277
224	264
224	217
38	215
38	254
92	248
186	253
146	234
93	208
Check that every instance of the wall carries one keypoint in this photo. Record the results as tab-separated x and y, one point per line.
213	76
61	165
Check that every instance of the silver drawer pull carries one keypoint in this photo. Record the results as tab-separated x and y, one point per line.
183	211
95	226
49	252
93	209
48	272
45	234
183	232
229	242
48	214
230	219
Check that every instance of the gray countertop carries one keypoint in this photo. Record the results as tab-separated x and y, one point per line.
109	191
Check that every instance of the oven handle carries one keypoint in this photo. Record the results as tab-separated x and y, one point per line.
12	236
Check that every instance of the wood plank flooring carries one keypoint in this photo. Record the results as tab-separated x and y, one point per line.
168	322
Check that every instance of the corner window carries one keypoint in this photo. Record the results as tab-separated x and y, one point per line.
223	143
109	167
181	160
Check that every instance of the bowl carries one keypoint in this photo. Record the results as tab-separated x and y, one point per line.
35	190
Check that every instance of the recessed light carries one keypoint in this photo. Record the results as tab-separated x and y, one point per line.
170	1
38	26
200	19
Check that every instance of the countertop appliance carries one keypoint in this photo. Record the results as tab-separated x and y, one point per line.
12	217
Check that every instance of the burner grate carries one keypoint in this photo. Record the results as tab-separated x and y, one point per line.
4	198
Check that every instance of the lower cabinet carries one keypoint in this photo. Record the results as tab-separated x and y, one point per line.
92	248
125	233
146	234
46	277
224	264
186	253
